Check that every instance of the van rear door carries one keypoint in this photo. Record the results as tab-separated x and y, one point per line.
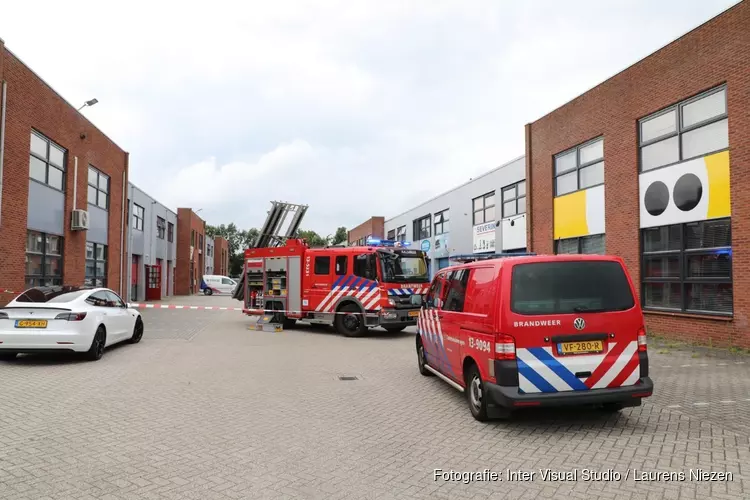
576	325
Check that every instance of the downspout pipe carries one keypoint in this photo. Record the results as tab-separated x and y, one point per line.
122	223
3	103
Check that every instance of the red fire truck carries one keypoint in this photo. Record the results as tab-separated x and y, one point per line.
353	288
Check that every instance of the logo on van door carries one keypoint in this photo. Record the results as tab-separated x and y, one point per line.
579	324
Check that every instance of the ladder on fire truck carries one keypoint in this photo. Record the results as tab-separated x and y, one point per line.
271	234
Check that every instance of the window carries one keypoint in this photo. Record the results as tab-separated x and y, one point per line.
688	267
200	242
138	215
689	129
592	244
456	283
580	168
365	267
98	188
43	259
422	228
192	237
114	299
227	281
392	234
170	232
96	264
401	233
569	287
47	162
98	299
484	208
442	225
341	265
514	199
161	228
322	265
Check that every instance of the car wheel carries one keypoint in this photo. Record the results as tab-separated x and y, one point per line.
394	329
475	394
96	351
421	359
137	331
8	356
350	322
208	291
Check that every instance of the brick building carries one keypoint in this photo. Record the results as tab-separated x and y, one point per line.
52	161
221	256
191	231
651	165
374	227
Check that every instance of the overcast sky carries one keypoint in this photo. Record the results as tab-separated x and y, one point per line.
357	108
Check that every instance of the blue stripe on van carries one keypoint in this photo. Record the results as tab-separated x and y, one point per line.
534	377
568	377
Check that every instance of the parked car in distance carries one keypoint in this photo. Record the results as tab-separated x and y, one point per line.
217	284
64	318
536	331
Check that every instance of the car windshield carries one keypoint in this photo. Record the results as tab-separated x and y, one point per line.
402	266
570	287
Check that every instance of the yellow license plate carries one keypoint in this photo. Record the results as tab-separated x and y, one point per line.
31	323
589	346
413	314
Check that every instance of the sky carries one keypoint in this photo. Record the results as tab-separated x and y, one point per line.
355	108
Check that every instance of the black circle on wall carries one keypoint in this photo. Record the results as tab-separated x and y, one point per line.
687	192
656	198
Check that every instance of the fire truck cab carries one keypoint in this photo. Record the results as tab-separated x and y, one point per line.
352	288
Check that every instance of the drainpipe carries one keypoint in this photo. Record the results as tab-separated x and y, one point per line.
2	143
122	224
75	181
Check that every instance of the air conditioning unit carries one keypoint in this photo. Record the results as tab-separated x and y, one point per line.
80	220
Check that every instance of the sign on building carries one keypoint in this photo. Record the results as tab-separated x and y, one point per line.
484	237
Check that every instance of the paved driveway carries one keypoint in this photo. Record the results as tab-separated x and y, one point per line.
203	408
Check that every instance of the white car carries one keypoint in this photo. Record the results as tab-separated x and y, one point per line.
54	319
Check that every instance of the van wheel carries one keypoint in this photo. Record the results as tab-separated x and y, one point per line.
350	322
208	291
421	360
475	394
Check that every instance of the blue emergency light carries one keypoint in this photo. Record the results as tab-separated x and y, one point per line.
387	243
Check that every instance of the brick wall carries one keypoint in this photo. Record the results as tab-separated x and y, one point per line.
714	53
188	221
374	226
33	104
221	256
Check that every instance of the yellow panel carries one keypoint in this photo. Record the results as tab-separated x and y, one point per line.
719	203
570	215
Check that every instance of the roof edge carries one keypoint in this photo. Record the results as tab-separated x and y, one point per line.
457	187
651	54
157	201
58	94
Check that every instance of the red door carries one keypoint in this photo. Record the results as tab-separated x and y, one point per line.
153	283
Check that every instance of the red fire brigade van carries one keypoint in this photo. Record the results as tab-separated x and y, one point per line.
352	288
536	331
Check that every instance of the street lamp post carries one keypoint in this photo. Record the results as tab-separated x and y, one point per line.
88	103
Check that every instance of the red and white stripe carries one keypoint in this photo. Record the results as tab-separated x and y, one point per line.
171	306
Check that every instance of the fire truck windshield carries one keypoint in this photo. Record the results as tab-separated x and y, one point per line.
401	266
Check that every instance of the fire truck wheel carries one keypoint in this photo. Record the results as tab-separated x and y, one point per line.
352	324
289	323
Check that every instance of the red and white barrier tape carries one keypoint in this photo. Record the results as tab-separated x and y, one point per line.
171	306
219	308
